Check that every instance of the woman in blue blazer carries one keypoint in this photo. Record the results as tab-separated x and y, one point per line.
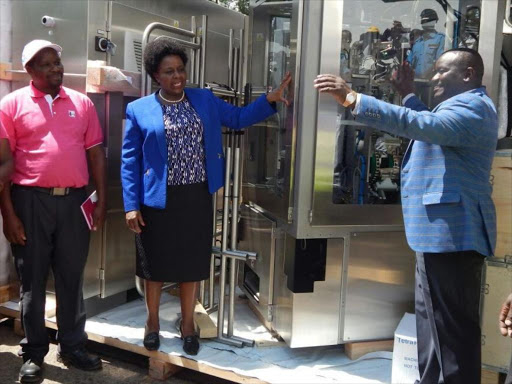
172	161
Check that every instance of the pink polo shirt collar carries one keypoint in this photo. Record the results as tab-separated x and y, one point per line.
34	92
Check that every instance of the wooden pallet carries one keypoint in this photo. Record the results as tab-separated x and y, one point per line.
355	350
161	364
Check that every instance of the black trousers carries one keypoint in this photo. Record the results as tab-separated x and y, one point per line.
447	317
57	237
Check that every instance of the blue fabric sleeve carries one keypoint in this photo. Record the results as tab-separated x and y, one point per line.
131	162
455	123
235	117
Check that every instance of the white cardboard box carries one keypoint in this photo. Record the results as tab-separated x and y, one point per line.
405	352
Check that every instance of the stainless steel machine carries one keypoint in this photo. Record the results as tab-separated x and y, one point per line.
321	191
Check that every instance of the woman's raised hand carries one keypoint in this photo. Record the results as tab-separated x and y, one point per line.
134	221
278	94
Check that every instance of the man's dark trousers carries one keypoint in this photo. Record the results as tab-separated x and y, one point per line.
448	289
57	237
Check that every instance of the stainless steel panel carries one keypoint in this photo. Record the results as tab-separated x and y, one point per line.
493	12
92	267
119	260
257	234
297	313
496	349
270	146
128	24
70	32
378	285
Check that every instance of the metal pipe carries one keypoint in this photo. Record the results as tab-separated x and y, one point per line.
184	43
145	39
240	67
211	286
224	245
230	58
193	28
203	50
234	231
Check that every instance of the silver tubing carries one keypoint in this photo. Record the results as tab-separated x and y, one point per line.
145	39
183	43
193	56
234	229
204	30
231	309
240	68
224	245
230	58
139	284
211	285
201	292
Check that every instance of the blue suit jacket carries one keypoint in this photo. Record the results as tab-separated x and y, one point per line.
446	191
144	152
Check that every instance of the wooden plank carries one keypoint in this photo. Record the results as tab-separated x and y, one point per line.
18	329
161	370
501	176
9	291
356	350
5	73
5	293
180	361
205	327
491	377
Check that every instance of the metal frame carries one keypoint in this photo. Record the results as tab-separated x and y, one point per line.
493	12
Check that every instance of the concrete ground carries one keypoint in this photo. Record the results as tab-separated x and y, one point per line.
119	366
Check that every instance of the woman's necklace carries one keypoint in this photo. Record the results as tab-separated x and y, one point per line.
171	101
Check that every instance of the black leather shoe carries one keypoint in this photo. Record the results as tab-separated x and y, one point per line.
152	341
191	344
79	358
31	371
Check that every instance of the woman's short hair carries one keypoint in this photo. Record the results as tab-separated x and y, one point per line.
155	52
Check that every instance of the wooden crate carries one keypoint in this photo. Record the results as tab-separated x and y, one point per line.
501	178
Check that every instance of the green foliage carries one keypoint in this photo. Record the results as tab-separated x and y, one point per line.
238	5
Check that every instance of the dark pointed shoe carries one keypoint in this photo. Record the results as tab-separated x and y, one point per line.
191	344
79	358
152	341
31	371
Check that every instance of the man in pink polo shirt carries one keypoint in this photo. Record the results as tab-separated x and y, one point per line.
53	132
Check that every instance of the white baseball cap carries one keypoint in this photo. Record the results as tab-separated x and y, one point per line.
32	48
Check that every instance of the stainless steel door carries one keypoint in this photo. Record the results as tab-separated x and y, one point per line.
270	146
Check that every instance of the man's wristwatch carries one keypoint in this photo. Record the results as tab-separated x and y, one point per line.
350	99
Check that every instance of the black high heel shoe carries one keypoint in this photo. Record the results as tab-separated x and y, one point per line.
190	342
152	341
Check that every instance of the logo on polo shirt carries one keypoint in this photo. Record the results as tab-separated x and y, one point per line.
71	113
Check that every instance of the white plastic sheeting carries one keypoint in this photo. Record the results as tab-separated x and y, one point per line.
276	364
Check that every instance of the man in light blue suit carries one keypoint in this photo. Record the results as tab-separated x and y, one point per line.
449	216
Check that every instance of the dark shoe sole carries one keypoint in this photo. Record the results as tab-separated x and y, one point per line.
69	362
30	378
152	342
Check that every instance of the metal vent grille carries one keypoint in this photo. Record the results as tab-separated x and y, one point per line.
137	48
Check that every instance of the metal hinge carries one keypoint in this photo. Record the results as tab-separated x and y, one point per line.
310	216
290	214
270	313
101	274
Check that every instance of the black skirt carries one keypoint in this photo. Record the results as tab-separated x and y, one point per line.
175	245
